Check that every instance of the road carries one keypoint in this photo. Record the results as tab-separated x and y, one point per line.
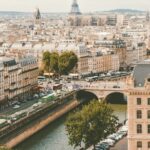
10	110
98	84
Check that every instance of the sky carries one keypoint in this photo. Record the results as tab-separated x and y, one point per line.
65	5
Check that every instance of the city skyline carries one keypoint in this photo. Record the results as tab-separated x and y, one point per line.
65	5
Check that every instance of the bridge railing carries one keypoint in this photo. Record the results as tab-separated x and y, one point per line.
87	86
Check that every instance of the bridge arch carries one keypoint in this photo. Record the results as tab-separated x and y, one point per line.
86	95
116	97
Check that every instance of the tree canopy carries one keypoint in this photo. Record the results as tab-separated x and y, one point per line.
46	61
54	58
61	64
90	125
67	62
4	148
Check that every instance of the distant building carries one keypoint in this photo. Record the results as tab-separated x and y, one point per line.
75	8
147	16
37	14
112	20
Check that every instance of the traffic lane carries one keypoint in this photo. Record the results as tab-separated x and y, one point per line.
121	145
10	110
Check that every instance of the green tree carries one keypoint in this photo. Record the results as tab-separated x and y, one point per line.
90	125
62	64
46	60
67	61
4	148
54	57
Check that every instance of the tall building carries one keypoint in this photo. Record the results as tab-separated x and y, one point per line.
18	79
147	16
75	8
139	109
112	20
37	14
37	22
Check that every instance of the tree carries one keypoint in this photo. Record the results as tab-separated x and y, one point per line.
46	60
90	125
62	64
67	61
54	57
4	148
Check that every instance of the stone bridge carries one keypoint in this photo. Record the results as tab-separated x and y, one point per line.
101	89
103	93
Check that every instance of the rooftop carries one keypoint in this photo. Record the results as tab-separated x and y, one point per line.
141	72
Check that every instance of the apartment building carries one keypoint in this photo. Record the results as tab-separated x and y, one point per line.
139	109
97	62
18	78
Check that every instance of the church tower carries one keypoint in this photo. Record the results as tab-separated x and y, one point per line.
37	15
37	22
147	16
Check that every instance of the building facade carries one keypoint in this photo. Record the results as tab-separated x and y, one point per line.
139	109
18	78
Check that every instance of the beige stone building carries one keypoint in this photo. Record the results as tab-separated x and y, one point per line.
18	78
96	62
139	109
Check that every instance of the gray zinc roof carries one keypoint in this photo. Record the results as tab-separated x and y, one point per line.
141	72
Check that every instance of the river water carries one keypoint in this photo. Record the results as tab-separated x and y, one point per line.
54	137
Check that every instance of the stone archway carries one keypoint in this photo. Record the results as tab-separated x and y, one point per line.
116	98
86	95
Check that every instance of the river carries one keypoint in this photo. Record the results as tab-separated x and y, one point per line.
54	137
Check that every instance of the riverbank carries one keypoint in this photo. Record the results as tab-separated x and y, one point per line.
54	136
41	123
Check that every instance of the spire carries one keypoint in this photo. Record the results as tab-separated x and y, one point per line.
75	8
37	14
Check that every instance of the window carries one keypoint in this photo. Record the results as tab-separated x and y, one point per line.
139	144
139	114
148	144
138	101
148	101
148	114
148	128
139	128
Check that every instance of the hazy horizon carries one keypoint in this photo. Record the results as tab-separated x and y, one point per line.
65	5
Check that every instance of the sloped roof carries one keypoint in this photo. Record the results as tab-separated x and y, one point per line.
141	72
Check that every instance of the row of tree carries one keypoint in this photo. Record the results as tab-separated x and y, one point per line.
90	125
59	64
